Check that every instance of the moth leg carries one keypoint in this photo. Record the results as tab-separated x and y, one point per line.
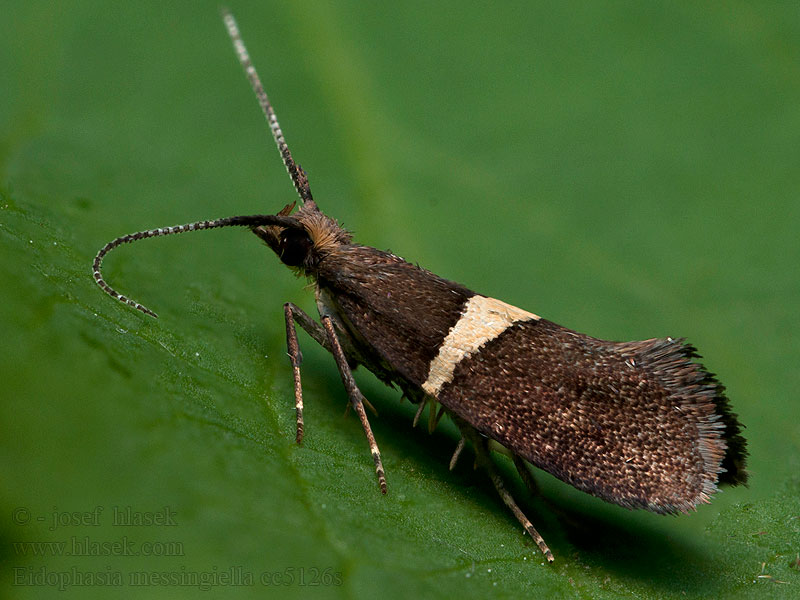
309	325
484	459
434	417
356	398
525	474
457	453
419	412
292	313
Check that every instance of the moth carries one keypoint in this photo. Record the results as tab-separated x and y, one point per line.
640	424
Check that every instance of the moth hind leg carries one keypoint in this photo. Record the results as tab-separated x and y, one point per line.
525	474
484	460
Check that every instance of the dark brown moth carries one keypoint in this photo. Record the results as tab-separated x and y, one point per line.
640	424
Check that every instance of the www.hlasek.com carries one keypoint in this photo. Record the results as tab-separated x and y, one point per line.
86	546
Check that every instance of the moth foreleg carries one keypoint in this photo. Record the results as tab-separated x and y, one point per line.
314	329
356	397
484	460
294	314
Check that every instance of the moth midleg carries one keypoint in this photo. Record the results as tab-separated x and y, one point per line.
356	398
484	460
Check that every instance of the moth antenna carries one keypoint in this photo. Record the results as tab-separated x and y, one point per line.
295	171
239	221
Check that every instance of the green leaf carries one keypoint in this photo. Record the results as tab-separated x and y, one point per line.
625	169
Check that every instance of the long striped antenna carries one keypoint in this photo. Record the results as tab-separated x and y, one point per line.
295	171
241	221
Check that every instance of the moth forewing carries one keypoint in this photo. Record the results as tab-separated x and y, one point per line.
640	424
636	423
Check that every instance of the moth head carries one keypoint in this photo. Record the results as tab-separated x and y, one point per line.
303	245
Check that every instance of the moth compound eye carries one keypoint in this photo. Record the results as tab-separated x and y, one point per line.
294	247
